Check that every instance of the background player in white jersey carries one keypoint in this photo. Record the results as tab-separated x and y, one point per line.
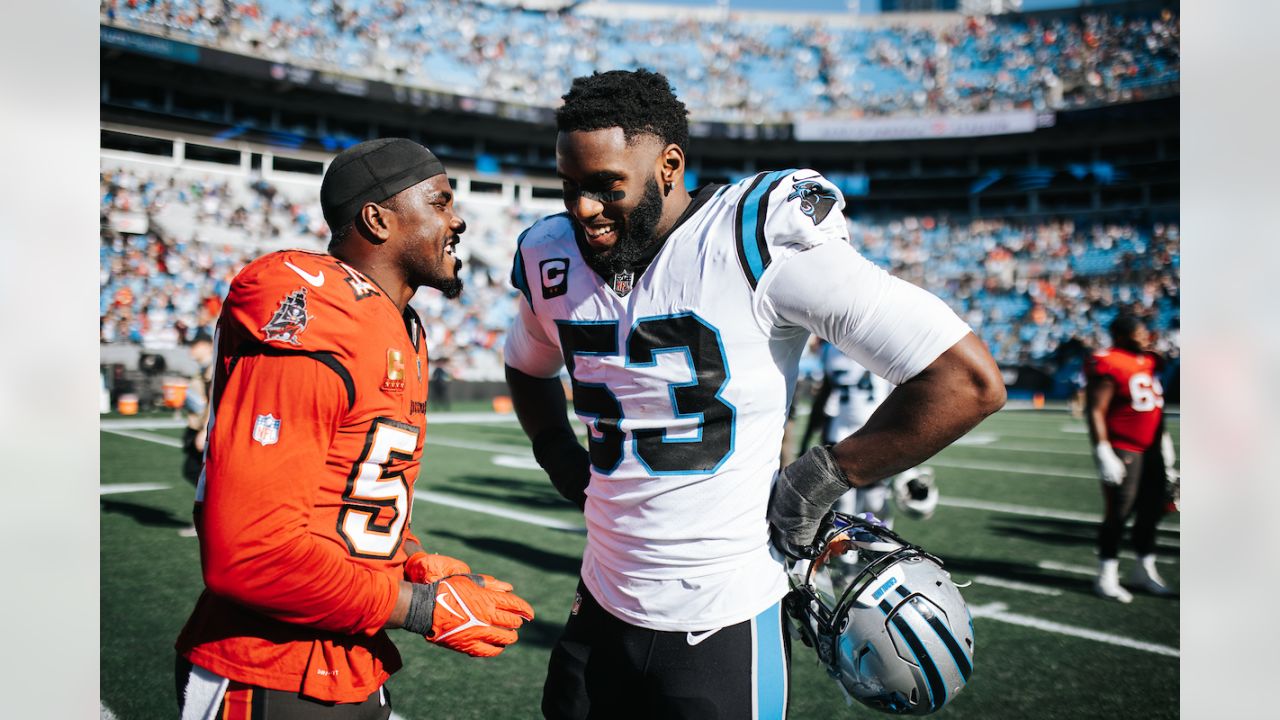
680	319
852	393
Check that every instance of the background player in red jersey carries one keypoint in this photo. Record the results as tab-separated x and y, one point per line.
315	438
1134	453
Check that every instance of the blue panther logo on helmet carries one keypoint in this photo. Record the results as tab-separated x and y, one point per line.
816	199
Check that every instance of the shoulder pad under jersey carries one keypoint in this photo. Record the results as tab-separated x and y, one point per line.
302	301
781	213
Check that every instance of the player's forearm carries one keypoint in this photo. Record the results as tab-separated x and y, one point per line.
924	414
294	578
539	403
401	609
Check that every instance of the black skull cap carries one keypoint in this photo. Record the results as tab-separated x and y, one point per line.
373	171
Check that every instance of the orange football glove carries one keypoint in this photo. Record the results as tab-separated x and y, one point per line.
424	567
476	615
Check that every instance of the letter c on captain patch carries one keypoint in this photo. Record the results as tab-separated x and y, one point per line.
555	277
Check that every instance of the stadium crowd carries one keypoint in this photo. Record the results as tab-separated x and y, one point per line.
741	67
1026	289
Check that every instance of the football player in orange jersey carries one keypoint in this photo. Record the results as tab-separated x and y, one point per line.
315	435
1133	452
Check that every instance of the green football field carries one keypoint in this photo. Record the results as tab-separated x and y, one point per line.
1019	511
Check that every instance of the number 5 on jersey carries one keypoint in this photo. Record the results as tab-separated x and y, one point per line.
372	487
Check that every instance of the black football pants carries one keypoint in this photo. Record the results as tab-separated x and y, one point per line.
1143	492
604	668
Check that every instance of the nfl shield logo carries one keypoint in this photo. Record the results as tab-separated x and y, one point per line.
622	282
266	429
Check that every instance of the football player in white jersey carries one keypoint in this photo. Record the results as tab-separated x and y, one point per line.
852	394
680	319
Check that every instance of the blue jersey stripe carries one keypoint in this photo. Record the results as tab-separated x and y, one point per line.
518	279
771	665
751	225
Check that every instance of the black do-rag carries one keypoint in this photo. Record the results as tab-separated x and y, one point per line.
373	171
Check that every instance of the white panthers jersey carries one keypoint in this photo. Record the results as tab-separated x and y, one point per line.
856	392
683	371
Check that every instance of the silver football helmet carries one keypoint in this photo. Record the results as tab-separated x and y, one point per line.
885	619
915	493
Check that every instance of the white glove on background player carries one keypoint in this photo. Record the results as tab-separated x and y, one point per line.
1110	467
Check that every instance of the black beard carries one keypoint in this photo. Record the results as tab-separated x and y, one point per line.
451	288
635	235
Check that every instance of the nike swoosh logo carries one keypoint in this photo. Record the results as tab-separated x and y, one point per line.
443	600
317	280
695	638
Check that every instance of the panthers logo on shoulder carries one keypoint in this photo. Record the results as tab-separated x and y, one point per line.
289	320
816	199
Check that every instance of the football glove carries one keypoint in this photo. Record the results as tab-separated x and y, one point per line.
422	567
804	493
1110	467
565	461
471	614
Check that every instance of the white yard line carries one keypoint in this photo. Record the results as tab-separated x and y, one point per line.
497	511
121	488
1015	469
1022	449
141	423
1015	585
143	435
1022	434
513	450
999	611
1067	568
1011	509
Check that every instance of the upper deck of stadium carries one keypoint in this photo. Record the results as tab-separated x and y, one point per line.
728	66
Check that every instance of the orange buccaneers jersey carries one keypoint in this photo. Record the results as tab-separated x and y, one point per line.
315	438
1133	418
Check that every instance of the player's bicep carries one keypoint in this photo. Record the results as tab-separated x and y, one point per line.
886	324
528	349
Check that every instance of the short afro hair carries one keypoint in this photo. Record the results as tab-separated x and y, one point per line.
638	101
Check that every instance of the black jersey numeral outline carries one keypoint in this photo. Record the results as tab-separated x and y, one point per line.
701	397
401	445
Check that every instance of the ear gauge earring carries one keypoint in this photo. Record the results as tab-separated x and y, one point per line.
667	189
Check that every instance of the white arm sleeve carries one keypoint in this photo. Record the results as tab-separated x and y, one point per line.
888	325
528	349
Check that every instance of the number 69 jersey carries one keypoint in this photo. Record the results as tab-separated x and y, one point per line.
315	439
683	371
1133	417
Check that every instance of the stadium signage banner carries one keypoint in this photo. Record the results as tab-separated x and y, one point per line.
917	128
149	45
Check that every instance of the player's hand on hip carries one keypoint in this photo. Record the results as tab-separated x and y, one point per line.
473	614
423	567
803	494
1111	468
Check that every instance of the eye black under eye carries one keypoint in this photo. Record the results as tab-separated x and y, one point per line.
607	196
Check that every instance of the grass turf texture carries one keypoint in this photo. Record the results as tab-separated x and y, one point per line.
150	578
